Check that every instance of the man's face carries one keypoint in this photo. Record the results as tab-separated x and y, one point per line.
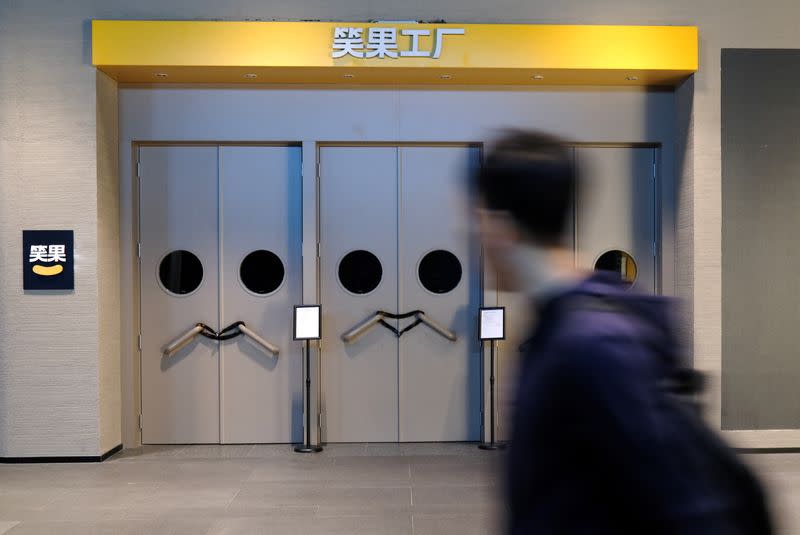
499	238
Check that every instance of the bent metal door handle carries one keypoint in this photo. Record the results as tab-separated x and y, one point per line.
271	348
231	331
358	331
436	326
182	341
378	319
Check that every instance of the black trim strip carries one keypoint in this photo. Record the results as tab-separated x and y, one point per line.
88	459
399	316
767	450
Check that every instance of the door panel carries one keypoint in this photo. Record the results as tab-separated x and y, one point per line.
439	379
260	200
358	212
178	199
616	208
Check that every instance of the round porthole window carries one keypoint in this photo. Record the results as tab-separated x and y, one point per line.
180	272
439	271
262	272
360	272
620	263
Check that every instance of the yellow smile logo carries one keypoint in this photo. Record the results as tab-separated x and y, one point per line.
47	271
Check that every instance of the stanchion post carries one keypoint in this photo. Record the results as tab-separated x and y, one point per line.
307	327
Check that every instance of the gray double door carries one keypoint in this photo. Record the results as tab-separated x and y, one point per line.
395	239
220	244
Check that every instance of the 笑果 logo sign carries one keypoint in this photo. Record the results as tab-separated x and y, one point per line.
47	260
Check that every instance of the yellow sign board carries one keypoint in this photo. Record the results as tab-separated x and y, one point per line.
392	53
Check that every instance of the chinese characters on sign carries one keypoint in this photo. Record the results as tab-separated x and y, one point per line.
382	42
48	253
48	260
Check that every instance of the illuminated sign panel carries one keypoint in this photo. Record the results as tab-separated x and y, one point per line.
493	323
307	322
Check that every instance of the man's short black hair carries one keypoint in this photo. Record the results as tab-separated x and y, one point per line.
530	175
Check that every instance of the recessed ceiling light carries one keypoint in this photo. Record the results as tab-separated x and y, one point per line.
632	78
446	76
161	75
250	75
348	75
537	77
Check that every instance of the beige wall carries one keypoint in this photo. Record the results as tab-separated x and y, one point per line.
108	268
56	363
48	179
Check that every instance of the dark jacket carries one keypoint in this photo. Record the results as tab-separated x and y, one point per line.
593	446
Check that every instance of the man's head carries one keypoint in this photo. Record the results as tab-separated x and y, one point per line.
524	191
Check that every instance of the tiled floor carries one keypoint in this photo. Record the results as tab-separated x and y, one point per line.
419	489
413	489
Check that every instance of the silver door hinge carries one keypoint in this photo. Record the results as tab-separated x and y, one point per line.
139	341
138	169
318	255
139	249
655	249
319	421
141	425
318	170
655	170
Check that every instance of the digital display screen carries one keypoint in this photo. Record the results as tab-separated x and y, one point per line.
307	322
492	324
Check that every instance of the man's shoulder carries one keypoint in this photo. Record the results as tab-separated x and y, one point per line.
600	341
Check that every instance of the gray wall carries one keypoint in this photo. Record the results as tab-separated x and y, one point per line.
760	228
49	378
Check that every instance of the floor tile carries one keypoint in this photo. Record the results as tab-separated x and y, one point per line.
454	474
253	496
316	525
460	524
214	451
118	527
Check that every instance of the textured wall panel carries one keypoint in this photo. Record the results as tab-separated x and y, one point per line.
108	263
48	358
761	216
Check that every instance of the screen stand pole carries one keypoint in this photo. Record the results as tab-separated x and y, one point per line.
491	445
307	447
